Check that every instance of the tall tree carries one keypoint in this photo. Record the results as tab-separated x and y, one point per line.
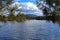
49	6
4	3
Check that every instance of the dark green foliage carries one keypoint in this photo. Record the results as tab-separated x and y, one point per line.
50	3
57	2
5	3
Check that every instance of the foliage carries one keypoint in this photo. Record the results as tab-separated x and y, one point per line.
11	16
47	11
4	3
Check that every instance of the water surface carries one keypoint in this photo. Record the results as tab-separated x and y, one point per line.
29	30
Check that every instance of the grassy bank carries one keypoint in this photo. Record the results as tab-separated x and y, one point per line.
12	17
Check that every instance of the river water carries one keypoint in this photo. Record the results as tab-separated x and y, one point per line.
29	30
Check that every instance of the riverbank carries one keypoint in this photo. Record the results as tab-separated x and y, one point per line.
22	17
11	17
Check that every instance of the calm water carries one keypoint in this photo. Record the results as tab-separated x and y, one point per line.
29	30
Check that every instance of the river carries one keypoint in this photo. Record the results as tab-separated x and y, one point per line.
29	30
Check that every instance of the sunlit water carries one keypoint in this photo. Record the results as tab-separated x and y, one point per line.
29	30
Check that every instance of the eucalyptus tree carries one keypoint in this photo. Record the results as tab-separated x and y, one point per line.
4	3
4	6
48	6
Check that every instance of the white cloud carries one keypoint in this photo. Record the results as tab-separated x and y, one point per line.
28	8
16	4
32	9
29	4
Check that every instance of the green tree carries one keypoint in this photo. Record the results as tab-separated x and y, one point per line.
55	4
4	3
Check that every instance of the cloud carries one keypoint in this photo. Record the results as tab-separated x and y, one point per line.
31	8
28	8
29	4
15	4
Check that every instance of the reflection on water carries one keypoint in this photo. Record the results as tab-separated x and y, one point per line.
29	30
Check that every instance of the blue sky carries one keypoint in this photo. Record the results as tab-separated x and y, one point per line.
25	1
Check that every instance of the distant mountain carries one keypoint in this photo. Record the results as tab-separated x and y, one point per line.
30	15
